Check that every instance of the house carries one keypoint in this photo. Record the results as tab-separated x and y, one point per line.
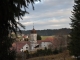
32	44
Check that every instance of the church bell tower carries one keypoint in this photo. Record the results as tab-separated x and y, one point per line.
33	39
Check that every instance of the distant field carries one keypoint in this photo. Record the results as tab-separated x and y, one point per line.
44	37
61	56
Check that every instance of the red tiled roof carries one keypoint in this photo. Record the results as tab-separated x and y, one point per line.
24	36
33	31
49	39
22	43
19	45
39	41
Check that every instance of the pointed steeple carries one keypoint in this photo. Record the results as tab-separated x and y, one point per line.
33	25
33	30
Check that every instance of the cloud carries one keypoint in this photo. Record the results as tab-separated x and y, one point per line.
49	14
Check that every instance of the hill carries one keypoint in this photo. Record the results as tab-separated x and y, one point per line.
50	32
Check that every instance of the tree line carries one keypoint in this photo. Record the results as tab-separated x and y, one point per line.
50	32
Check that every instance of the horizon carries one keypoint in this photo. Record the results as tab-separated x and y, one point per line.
49	29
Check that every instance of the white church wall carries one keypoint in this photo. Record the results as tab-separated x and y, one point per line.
45	44
25	47
33	40
33	36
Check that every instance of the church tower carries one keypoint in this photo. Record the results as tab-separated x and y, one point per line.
33	39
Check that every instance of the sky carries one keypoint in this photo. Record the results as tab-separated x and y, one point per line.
49	14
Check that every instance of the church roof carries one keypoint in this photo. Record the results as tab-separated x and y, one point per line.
49	39
19	45
33	31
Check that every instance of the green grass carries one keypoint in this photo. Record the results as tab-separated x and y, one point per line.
44	37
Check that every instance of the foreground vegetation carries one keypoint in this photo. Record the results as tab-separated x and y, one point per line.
74	45
11	13
61	56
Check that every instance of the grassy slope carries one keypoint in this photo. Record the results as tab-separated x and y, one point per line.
62	56
44	37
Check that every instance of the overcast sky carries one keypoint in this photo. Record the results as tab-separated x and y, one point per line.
49	14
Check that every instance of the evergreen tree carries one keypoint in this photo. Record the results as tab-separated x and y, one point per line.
10	11
74	45
39	37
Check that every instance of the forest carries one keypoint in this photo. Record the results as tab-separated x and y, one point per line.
50	32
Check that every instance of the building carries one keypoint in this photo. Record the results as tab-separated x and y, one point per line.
33	39
32	44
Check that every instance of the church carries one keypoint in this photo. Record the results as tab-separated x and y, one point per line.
33	44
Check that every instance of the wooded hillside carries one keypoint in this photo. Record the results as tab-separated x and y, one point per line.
50	32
